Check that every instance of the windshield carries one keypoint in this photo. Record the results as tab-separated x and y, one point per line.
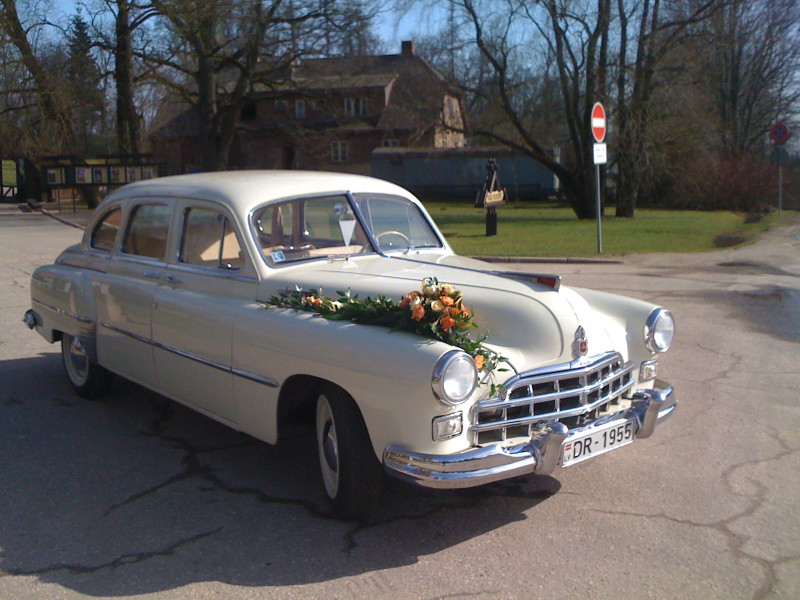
396	223
308	228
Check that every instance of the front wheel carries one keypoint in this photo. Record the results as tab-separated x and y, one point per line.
87	378
351	474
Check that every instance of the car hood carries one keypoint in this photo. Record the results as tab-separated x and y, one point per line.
531	324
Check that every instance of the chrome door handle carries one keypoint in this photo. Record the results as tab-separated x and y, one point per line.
152	275
171	279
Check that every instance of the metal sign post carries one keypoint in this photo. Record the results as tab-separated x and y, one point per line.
780	134
600	158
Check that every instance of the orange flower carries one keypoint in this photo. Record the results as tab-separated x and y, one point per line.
447	322
418	313
479	361
447	300
403	303
317	301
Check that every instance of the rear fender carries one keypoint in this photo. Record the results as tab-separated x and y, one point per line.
63	299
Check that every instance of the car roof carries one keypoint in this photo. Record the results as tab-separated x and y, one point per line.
242	191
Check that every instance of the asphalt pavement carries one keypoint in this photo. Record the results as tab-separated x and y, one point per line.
138	497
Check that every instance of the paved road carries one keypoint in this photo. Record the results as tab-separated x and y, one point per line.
138	497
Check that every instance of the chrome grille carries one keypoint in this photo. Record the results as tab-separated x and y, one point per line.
574	396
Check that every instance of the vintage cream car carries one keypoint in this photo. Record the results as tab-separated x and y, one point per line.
173	287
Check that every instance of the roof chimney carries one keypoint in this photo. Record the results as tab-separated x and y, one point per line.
409	48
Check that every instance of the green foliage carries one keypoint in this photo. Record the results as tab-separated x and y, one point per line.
435	312
541	229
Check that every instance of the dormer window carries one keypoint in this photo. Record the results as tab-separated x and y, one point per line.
355	107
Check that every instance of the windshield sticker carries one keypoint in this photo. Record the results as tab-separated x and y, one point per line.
278	256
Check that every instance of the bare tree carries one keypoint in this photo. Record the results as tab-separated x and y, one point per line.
753	68
221	54
55	115
658	33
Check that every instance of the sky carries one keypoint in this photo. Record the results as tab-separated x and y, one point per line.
392	27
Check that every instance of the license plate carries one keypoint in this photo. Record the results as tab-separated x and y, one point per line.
597	441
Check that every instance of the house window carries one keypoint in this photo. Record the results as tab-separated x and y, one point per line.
355	107
280	106
339	152
390	143
299	109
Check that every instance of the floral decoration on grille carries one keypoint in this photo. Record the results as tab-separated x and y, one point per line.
436	311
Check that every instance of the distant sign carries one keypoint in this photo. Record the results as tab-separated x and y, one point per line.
598	122
600	154
780	134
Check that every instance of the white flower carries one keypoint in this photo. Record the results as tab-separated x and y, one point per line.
448	288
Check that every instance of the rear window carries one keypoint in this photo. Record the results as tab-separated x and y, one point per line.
147	231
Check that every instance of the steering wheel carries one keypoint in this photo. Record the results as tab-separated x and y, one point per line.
395	233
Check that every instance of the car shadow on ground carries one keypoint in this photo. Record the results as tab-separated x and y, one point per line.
137	494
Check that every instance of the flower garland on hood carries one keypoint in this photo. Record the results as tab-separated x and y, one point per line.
436	311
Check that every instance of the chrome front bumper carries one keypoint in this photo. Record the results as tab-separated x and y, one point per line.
541	455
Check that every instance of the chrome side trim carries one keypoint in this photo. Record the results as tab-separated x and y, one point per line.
61	311
268	381
231	274
541	455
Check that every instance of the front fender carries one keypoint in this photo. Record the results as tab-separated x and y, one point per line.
387	373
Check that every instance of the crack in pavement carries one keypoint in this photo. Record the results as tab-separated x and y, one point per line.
120	561
734	541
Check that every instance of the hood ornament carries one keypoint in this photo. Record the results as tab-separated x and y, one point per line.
581	345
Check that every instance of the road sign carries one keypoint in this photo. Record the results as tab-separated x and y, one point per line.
600	154
780	134
598	122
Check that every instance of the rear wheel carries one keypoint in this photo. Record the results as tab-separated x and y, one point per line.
87	378
351	474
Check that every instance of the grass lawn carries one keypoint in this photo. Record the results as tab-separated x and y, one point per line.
534	229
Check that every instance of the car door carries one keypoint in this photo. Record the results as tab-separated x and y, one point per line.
124	294
207	284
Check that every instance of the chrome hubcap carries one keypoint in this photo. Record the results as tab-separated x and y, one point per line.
77	360
327	447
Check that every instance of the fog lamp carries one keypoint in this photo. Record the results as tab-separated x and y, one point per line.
447	426
648	370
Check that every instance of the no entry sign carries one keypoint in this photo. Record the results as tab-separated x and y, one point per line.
598	122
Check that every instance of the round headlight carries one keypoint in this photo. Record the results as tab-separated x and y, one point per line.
659	330
454	377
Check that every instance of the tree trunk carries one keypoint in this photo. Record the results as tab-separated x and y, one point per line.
127	119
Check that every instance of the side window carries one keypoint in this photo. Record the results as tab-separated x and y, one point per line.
147	231
209	240
105	233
